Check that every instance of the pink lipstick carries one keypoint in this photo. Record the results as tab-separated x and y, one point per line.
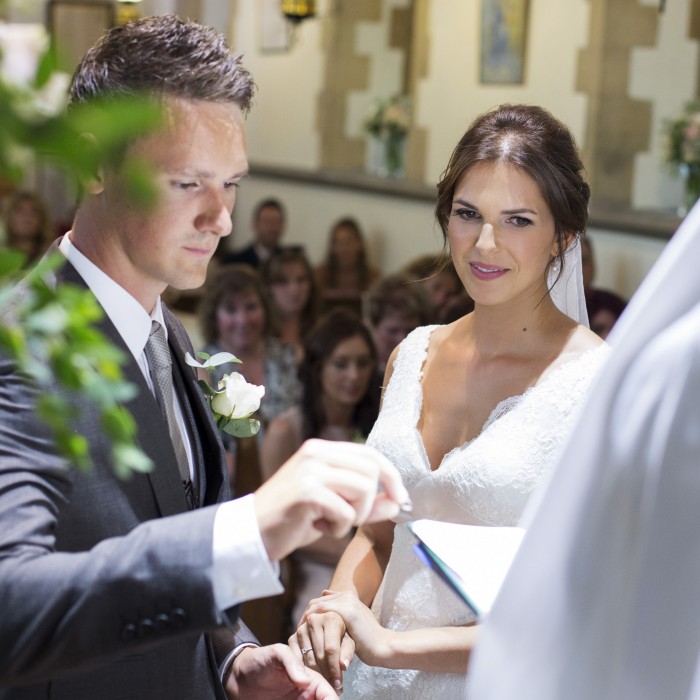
483	271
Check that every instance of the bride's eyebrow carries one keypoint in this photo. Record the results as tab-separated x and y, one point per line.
523	210
464	203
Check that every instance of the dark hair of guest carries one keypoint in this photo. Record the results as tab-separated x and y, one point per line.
229	282
337	326
273	273
332	263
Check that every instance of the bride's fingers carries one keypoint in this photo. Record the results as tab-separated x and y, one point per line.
300	642
347	652
326	632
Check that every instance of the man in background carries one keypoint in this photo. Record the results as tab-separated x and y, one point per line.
268	229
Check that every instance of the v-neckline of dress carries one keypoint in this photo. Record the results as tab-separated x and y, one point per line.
493	417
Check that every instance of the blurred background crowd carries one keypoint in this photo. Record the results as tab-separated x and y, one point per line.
317	337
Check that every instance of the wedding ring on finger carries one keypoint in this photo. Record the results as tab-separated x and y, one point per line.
306	650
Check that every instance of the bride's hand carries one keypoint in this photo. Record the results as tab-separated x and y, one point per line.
327	648
371	639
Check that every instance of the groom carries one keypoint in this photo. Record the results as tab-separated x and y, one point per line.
124	589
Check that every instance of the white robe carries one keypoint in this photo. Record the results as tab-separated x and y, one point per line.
603	599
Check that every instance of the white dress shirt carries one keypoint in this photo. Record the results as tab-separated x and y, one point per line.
241	568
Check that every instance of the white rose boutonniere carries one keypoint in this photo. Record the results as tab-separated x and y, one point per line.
235	401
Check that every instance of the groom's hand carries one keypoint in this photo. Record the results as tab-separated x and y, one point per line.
325	488
274	673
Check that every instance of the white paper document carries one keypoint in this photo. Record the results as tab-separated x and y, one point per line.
473	559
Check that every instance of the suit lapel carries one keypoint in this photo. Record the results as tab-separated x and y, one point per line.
152	436
204	437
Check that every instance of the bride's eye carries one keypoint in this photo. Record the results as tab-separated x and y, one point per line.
465	213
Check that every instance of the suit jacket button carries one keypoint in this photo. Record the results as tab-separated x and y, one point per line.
146	628
162	622
128	632
179	617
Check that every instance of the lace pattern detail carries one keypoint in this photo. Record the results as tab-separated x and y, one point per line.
486	481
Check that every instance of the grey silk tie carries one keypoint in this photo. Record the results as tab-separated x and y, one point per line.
160	364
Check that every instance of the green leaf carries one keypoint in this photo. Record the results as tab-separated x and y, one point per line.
222	358
207	388
47	66
11	261
128	458
12	339
118	423
242	427
50	320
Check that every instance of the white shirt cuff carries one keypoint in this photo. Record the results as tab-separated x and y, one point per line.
241	568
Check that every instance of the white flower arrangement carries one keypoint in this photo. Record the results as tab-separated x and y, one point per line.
235	401
682	146
390	118
38	91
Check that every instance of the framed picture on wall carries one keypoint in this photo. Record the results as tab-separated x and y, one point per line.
503	39
75	26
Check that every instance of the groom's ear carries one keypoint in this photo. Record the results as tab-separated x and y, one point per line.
92	177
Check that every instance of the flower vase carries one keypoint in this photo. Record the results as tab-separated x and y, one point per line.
691	192
387	156
395	156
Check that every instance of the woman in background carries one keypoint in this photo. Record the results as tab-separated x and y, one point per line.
289	278
235	317
474	412
338	404
27	225
346	272
392	308
437	276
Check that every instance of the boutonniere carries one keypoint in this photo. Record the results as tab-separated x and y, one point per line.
235	400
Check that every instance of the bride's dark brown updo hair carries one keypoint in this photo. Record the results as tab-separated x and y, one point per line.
536	142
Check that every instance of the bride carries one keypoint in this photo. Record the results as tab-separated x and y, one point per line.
474	412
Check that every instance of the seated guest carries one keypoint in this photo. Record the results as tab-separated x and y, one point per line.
346	273
337	404
604	307
27	225
393	307
289	278
268	229
235	317
437	275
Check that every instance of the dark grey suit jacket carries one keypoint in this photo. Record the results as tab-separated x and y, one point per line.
105	584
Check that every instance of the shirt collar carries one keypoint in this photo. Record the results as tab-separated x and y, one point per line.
128	316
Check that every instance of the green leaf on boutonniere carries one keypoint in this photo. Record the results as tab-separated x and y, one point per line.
206	388
242	427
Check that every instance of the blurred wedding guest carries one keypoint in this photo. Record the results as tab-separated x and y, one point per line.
346	272
27	225
337	404
474	413
604	307
235	317
289	278
268	229
392	308
438	277
603	600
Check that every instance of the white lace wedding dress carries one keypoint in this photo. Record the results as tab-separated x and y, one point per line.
486	481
